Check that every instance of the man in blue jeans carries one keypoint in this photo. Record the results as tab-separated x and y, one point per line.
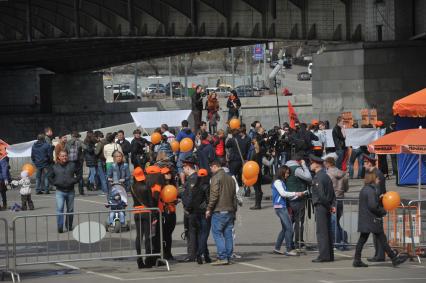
64	176
221	208
42	157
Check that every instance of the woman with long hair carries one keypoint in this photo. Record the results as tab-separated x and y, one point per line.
212	106
279	196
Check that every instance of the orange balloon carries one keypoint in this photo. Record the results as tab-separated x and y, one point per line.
29	168
155	138
391	200
234	123
251	169
186	145
175	146
249	182
169	193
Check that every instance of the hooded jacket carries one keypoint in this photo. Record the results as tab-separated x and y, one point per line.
41	154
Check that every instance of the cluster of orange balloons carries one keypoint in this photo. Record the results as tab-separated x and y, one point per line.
29	168
186	145
250	173
391	200
169	194
155	138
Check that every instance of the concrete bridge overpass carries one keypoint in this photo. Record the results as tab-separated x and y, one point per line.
78	35
48	49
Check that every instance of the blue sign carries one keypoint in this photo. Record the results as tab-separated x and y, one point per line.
258	52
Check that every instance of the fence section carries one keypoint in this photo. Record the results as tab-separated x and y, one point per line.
38	239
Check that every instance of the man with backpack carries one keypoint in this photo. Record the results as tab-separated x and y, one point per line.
74	147
303	141
299	178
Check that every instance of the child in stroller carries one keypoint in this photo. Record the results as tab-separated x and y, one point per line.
117	202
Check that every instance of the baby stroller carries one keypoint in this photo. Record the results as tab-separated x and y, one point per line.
117	202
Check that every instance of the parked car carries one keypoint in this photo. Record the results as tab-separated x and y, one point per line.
153	87
303	76
129	95
174	85
246	91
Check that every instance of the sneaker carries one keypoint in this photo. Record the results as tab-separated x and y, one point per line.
220	262
234	255
39	193
278	252
291	253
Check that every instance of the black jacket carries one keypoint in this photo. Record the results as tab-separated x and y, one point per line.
205	154
234	154
41	154
90	156
197	102
231	106
137	151
305	138
142	195
370	213
322	190
125	147
338	138
193	195
64	177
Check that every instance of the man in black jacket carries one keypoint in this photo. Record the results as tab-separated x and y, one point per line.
64	176
197	106
191	200
236	155
137	149
339	137
125	145
323	199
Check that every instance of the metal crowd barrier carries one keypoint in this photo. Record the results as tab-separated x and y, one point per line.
343	238
4	249
36	239
416	246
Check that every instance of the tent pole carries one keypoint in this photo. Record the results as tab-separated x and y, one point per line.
420	176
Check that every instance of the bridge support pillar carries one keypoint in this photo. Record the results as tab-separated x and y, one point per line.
366	75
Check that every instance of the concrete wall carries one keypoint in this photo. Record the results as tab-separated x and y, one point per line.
352	77
70	93
20	91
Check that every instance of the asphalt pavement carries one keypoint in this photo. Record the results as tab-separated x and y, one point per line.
256	232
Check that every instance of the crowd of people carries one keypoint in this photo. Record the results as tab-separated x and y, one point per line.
293	160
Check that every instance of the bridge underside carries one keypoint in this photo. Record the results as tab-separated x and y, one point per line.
73	55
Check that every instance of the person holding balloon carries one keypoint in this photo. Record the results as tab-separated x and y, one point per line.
186	139
168	196
370	219
370	166
258	153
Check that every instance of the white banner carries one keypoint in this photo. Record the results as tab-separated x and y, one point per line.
154	119
355	136
20	149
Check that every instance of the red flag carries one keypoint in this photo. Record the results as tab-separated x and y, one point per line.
292	116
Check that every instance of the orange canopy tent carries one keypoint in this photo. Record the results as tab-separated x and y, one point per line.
413	105
412	141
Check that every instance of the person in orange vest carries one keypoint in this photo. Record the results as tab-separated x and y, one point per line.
169	216
142	198
155	181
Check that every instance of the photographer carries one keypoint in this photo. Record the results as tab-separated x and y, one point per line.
137	149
